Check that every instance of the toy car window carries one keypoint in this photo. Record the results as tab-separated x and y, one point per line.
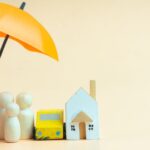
49	117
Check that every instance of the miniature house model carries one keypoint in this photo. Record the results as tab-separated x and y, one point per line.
82	115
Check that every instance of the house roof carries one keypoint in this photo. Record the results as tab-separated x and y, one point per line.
81	117
81	94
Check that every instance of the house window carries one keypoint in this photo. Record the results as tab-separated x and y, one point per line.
91	127
73	128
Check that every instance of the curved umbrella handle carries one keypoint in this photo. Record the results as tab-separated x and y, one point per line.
7	36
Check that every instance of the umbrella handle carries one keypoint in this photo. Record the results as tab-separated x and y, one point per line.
7	36
22	5
3	45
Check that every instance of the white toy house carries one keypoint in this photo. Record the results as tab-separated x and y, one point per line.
82	115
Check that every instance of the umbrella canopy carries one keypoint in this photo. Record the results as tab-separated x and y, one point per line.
23	28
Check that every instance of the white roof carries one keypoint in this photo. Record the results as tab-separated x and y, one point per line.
81	101
82	95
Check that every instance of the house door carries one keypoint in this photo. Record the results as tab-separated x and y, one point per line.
82	130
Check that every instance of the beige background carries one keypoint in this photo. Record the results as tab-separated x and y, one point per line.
105	40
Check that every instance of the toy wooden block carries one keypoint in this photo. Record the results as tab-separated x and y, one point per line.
12	130
49	124
5	99
93	88
82	115
26	115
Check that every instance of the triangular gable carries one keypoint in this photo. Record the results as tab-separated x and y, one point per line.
82	92
81	117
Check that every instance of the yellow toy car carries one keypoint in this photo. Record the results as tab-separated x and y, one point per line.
49	124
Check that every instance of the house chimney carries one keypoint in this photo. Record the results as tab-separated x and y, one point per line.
93	88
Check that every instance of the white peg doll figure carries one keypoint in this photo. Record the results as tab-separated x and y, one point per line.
12	125
5	99
26	116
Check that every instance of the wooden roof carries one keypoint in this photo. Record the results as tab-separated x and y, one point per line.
82	117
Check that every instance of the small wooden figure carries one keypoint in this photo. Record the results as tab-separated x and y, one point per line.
5	99
26	115
49	124
82	115
12	125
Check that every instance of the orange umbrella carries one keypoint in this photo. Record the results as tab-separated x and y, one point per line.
23	28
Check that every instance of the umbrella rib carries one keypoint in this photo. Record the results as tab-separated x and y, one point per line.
7	36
